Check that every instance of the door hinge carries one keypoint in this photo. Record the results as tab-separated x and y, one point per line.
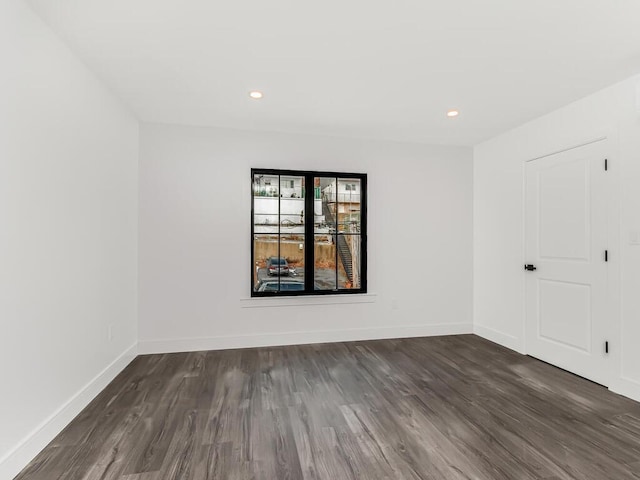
606	255
606	347
606	164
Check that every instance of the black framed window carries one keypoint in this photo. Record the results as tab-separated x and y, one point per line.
309	232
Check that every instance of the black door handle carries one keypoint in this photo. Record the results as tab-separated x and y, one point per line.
530	268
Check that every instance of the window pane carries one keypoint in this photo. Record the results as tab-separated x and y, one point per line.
265	203
279	263
349	256
324	205
291	263
324	268
292	205
264	247
348	208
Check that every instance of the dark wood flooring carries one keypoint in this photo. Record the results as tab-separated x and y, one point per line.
430	408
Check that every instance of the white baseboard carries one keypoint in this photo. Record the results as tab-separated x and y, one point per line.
299	338
626	387
509	341
19	457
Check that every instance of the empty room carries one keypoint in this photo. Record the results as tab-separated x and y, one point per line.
291	240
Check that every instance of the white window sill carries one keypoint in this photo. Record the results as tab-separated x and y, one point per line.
344	299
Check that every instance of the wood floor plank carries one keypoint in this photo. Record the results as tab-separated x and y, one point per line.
441	408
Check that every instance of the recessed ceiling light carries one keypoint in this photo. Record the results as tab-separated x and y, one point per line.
453	113
256	95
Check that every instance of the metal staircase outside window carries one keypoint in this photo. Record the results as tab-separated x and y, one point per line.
344	252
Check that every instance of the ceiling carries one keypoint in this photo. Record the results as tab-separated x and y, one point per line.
358	68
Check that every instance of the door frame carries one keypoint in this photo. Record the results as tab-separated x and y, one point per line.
614	245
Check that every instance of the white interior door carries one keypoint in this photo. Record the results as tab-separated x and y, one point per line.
566	241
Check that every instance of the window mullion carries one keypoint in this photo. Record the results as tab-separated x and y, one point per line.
309	221
309	238
337	238
279	198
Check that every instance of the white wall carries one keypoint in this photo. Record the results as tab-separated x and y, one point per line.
68	235
195	240
499	227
